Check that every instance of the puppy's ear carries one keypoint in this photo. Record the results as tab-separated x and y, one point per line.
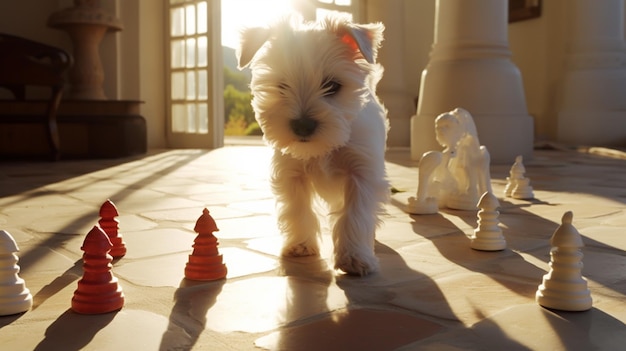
365	38
251	41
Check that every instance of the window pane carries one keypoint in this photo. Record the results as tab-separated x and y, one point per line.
203	118
191	52
191	118
178	54
202	17
177	19
179	118
178	85
202	51
319	13
343	2
191	85
190	20
203	84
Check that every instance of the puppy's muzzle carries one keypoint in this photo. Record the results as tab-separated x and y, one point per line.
304	126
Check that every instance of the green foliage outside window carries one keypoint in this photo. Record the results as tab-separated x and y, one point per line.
238	113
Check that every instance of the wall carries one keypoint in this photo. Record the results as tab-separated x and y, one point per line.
409	28
142	63
538	47
27	18
132	60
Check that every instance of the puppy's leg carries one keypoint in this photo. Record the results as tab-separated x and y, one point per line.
365	191
296	218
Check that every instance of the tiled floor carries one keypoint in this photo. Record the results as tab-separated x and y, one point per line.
433	291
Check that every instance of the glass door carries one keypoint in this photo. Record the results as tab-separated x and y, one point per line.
195	98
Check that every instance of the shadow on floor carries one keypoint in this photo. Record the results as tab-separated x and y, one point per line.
74	331
187	320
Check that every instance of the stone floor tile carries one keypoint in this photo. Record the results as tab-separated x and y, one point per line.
153	272
36	260
133	223
187	217
462	298
266	206
265	303
352	329
157	242
124	330
240	262
248	227
612	237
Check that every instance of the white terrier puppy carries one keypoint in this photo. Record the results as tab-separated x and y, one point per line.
313	87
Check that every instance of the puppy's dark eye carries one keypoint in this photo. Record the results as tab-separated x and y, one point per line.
283	88
331	87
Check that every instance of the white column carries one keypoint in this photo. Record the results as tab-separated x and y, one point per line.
392	87
470	67
593	111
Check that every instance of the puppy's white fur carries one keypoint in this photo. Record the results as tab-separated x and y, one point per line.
324	73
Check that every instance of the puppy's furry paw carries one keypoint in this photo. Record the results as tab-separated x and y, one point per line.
300	250
354	264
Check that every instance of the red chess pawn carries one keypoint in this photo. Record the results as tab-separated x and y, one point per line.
205	262
110	225
98	291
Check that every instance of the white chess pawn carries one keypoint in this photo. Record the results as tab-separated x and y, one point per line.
522	189
517	185
14	296
564	287
488	235
515	173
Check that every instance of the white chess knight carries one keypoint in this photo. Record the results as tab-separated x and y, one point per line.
457	176
313	87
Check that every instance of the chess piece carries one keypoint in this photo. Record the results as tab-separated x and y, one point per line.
518	186
205	262
564	287
458	175
523	190
110	226
98	290
14	296
488	235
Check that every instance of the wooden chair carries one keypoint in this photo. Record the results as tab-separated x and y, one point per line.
26	63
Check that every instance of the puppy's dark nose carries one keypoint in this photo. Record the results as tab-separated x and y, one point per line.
303	126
